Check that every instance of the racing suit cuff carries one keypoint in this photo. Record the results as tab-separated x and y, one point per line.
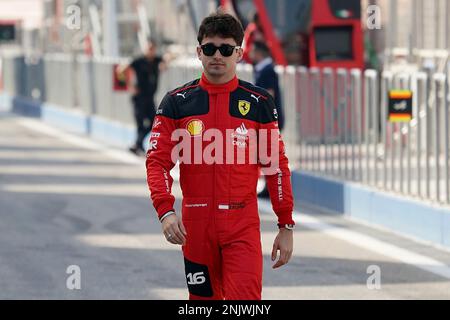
285	217
166	215
164	208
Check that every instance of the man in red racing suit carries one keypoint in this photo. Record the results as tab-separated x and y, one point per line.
209	125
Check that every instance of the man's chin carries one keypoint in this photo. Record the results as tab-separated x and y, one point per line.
216	73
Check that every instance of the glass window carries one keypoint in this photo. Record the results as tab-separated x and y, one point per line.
333	43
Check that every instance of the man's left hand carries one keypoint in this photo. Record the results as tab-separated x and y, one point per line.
284	242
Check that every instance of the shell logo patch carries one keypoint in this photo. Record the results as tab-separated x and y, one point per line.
244	107
195	127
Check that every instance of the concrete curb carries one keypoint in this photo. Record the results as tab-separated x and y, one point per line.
107	131
403	215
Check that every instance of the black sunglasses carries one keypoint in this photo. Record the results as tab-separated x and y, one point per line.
226	50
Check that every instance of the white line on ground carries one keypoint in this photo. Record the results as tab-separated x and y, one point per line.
363	241
87	143
126	190
38	126
368	243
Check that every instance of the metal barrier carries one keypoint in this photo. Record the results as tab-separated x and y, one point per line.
345	134
336	120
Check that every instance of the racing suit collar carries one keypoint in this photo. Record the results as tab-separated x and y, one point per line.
219	88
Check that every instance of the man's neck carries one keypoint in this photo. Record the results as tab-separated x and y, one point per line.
220	79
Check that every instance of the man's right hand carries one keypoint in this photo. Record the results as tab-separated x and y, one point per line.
174	230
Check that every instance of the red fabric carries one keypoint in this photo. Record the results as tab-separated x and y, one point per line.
218	88
219	207
252	34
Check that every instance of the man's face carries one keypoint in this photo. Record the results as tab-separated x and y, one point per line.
254	55
218	65
151	50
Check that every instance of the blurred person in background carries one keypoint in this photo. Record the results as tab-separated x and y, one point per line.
146	71
266	77
253	32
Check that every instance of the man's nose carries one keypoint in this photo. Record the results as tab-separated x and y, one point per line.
217	54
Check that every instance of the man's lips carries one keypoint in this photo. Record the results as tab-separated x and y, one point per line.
215	64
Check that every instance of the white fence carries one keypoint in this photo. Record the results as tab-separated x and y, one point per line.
336	120
345	132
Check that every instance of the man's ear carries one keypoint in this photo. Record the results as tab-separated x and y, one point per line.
199	53
240	54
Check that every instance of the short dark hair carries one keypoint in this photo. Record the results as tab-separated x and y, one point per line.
222	25
261	47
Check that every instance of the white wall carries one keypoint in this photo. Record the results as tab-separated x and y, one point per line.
30	12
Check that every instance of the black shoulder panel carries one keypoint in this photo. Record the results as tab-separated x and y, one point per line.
243	106
187	100
191	102
269	113
253	103
166	107
250	87
185	87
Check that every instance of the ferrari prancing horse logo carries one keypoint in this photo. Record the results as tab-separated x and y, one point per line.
244	107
